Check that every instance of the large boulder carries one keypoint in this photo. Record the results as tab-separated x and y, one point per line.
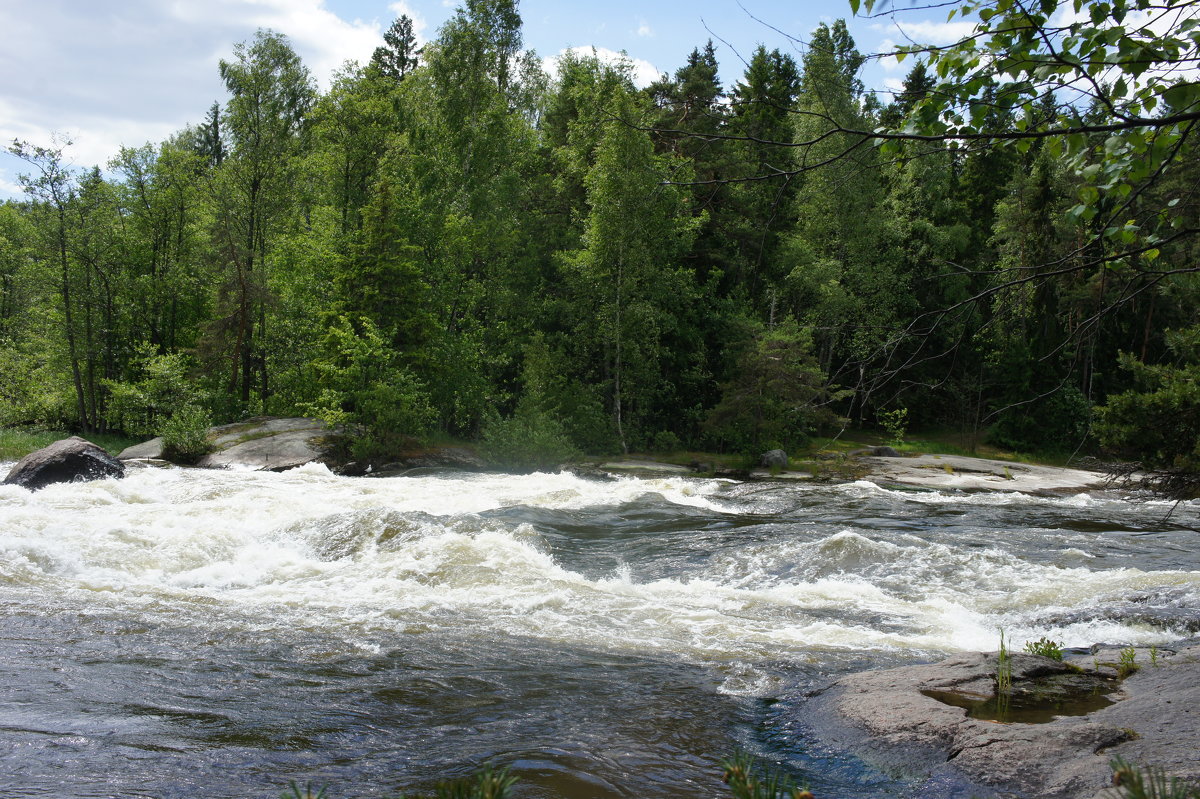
70	460
775	459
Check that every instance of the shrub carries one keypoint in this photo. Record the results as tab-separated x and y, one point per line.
185	434
1045	647
778	394
528	441
665	441
895	422
382	406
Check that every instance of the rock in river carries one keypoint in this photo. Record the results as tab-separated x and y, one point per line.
72	459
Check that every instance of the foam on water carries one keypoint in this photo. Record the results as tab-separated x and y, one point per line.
308	548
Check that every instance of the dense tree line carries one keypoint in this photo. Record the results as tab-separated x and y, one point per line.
450	240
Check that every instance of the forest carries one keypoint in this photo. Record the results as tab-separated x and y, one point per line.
449	242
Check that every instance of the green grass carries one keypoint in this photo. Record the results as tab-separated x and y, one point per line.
16	443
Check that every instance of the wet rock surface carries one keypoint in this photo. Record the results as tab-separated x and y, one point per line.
72	459
895	720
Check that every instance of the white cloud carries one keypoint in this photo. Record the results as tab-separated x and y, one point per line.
644	30
889	63
899	32
925	31
644	73
124	72
8	188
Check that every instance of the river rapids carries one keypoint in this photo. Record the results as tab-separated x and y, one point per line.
190	633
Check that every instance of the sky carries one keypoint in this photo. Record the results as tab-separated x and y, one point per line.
110	73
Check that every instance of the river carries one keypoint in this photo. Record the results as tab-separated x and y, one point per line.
189	633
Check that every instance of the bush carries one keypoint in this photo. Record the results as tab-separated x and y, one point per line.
778	395
530	440
1160	423
665	442
1045	647
185	434
33	390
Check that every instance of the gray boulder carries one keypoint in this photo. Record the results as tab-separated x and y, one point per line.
70	460
147	450
882	451
775	459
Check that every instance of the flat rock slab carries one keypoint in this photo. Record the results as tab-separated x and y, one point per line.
264	443
632	465
268	444
70	460
973	474
885	718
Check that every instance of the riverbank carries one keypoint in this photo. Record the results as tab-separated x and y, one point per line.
277	444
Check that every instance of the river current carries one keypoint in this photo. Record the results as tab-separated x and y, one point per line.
185	633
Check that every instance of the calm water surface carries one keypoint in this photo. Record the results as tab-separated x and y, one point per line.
187	633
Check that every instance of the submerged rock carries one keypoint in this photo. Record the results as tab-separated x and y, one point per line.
899	720
70	460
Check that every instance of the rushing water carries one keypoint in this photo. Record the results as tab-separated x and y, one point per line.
185	633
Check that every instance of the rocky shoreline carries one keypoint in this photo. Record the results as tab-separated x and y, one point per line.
898	720
277	444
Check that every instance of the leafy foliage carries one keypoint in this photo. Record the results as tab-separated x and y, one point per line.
158	390
381	406
1045	647
185	434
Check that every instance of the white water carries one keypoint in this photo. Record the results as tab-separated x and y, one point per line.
182	632
307	549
